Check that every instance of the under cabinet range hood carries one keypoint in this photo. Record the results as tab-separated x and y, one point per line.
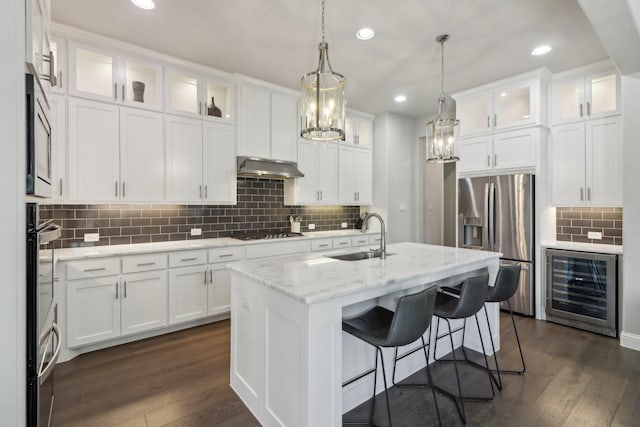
266	168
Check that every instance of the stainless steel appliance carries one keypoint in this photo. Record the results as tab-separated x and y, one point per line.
582	290
496	213
39	167
43	335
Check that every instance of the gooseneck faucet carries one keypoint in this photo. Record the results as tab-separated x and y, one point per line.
383	243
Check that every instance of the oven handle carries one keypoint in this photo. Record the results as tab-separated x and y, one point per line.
46	371
49	233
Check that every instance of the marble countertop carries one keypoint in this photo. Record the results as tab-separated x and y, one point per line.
583	247
69	254
313	277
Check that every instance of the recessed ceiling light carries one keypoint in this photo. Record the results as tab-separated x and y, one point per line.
144	4
541	50
365	33
400	98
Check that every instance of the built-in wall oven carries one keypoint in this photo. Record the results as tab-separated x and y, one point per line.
43	335
582	290
39	166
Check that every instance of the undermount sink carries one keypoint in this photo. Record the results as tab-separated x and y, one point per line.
357	256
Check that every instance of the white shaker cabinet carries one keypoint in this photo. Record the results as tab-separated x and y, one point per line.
219	290
144	301
586	163
219	163
115	153
358	128
354	176
58	116
187	293
501	151
268	119
318	161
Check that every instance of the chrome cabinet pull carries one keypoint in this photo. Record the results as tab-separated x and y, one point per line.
324	245
211	276
60	187
320	194
51	77
123	92
123	193
117	290
588	108
488	122
581	194
125	288
342	243
589	193
495	120
225	255
60	79
581	109
317	194
116	188
488	161
205	277
206	191
115	91
188	259
143	264
89	270
199	107
495	160
200	191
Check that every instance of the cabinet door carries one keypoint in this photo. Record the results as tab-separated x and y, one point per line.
187	293
475	154
255	133
93	310
141	155
604	161
144	301
567	100
515	149
514	106
364	177
284	127
602	95
182	90
219	292
218	98
219	164
142	83
350	129
58	117
474	112
93	151
567	160
184	159
92	73
327	167
307	190
347	179
365	132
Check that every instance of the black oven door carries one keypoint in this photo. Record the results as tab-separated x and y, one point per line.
39	161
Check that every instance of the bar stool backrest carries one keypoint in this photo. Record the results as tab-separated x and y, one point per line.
506	284
411	318
473	294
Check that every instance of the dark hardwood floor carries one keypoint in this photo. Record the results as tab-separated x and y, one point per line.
574	378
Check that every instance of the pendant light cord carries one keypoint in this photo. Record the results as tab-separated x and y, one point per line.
442	70
323	21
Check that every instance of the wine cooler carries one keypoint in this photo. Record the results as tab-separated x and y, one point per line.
582	290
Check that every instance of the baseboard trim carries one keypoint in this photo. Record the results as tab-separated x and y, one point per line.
630	340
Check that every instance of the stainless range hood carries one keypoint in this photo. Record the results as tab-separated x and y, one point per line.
265	168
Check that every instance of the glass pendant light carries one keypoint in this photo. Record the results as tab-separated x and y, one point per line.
323	102
443	130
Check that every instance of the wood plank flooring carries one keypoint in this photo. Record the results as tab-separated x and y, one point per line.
574	378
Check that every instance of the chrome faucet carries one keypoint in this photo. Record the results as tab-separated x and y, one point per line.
383	243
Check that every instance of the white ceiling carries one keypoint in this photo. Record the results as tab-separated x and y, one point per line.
276	40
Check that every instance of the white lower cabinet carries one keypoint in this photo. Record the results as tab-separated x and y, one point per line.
144	301
187	293
219	290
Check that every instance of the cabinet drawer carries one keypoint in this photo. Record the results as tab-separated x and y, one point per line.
341	242
137	263
277	249
360	240
374	239
93	268
226	254
186	258
321	244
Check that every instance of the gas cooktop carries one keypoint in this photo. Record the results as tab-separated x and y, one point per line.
260	236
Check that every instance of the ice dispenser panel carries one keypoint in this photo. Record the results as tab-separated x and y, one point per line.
472	231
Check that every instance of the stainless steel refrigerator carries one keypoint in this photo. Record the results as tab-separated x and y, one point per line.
496	213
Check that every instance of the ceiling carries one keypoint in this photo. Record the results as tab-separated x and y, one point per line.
276	40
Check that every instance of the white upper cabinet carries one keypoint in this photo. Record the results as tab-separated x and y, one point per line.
586	163
105	75
354	176
196	94
58	116
501	151
318	161
358	128
587	93
219	164
514	102
268	122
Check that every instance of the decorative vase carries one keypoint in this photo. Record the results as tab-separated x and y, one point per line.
138	91
212	110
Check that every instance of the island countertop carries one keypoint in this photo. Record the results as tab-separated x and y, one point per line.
312	278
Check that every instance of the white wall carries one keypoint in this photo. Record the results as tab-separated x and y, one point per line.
12	231
394	177
630	336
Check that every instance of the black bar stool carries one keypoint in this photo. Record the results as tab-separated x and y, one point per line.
380	328
473	294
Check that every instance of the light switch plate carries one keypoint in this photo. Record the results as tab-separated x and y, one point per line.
311	226
596	235
196	231
91	237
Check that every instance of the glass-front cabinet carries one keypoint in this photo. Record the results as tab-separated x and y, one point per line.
195	95
585	97
107	76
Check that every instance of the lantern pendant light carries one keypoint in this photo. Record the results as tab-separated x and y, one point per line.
323	102
442	131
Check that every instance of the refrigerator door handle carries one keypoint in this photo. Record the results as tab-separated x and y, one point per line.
486	244
492	231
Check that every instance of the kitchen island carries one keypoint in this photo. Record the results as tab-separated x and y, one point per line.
288	352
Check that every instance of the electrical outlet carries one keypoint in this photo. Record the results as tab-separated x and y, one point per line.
343	225
91	237
311	226
596	235
196	231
